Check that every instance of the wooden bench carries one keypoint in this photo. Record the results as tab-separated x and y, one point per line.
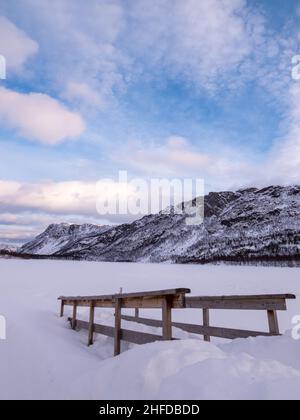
168	300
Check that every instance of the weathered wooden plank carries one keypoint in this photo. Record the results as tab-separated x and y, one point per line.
104	330
246	297
118	315
167	292
91	325
148	302
240	304
227	333
86	298
273	323
167	318
206	323
180	301
99	329
129	336
87	303
144	321
156	293
141	338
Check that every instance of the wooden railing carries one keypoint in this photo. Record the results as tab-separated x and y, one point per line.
168	300
163	299
269	303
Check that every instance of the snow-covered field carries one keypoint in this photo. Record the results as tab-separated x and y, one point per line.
43	359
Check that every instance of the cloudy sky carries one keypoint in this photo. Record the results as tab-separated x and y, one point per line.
160	88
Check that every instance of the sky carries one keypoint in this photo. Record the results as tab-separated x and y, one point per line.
160	88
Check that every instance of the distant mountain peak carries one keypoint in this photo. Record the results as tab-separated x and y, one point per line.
60	235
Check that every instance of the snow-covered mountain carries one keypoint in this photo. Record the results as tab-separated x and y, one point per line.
247	225
57	237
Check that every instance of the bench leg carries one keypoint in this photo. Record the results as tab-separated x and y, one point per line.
273	323
62	307
91	325
206	323
118	315
167	319
74	316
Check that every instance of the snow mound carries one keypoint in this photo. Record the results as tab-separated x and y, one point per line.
190	369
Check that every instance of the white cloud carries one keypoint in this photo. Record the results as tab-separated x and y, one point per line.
225	168
78	43
110	44
82	92
15	45
203	41
284	160
35	220
64	198
61	198
24	226
178	158
39	117
27	209
92	54
18	234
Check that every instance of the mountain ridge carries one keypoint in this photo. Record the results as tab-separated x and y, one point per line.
243	226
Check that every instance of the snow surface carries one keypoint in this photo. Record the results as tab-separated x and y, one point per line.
43	358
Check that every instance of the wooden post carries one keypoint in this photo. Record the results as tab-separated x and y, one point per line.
273	323
206	323
62	307
74	316
167	319
118	314
137	313
91	325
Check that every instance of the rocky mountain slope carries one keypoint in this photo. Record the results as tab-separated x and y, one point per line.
57	237
243	226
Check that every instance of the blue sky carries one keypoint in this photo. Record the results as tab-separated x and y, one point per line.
94	88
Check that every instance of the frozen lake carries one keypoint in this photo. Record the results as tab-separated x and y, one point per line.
41	352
